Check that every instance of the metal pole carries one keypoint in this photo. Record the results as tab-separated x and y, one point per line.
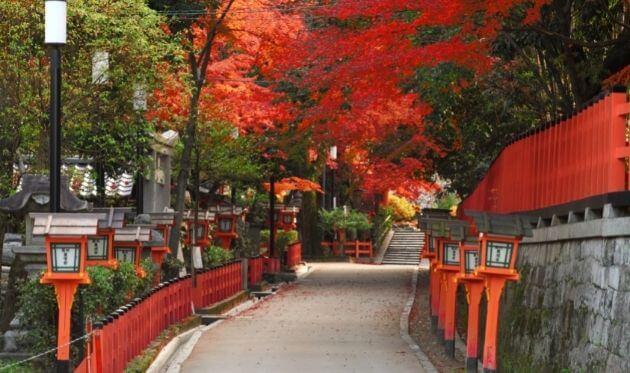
272	220
55	128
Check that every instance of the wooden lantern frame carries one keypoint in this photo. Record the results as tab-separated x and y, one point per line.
291	213
81	276
132	237
510	271
204	220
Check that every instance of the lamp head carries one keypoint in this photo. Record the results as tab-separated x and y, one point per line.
55	15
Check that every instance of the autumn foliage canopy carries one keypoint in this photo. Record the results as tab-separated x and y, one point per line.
353	61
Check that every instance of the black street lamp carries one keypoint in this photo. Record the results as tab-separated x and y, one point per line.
54	38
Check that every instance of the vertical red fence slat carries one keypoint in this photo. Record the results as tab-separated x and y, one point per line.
128	331
568	161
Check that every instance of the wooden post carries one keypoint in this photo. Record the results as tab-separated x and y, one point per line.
442	304
494	288
474	290
450	283
64	291
435	294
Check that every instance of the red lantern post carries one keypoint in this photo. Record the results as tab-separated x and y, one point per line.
431	222
474	284
499	236
66	238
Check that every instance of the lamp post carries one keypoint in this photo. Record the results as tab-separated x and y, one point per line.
54	37
333	157
499	236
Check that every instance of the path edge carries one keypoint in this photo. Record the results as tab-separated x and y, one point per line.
404	327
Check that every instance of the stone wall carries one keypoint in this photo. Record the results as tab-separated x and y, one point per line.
571	309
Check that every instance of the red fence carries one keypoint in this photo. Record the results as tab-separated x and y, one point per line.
294	254
129	330
255	270
580	157
271	265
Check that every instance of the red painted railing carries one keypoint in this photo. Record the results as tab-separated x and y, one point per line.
294	254
125	333
255	270
577	158
271	265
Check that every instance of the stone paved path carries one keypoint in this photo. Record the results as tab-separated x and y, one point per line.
341	318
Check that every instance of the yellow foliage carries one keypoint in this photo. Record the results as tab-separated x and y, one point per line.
402	208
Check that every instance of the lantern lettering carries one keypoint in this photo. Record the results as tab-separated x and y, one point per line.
66	257
126	254
471	260
97	248
451	254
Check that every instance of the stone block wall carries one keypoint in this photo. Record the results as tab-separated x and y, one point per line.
571	309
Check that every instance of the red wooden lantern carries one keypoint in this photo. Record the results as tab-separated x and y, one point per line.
66	239
289	218
499	236
100	249
128	242
201	231
469	254
226	220
449	261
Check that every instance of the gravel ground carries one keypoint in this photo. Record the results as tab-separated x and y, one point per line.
342	318
420	330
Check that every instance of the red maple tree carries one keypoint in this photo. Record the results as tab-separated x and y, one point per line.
357	61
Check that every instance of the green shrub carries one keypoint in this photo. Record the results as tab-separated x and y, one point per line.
215	255
382	224
283	239
338	219
171	266
108	290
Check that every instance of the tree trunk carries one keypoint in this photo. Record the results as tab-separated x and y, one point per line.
184	169
310	231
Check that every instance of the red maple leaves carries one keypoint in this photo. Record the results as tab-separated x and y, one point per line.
356	59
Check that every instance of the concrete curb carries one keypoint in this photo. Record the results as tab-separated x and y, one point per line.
383	249
404	327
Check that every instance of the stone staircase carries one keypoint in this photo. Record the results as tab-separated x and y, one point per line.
405	247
